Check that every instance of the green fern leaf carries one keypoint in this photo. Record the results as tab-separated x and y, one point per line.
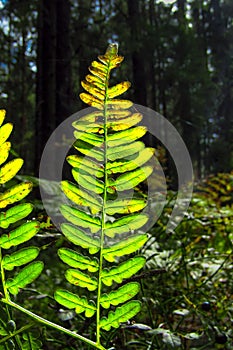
125	224
89	118
81	197
122	314
9	170
91	100
2	116
127	136
73	301
127	246
88	150
95	82
119	296
20	235
125	206
5	132
4	151
81	279
90	88
92	168
20	257
80	218
118	89
78	237
87	181
123	152
76	260
123	166
15	194
111	57
119	104
26	276
15	214
85	126
118	114
132	179
90	138
125	123
125	270
97	72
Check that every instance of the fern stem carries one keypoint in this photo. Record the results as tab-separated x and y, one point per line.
5	291
3	278
103	207
52	325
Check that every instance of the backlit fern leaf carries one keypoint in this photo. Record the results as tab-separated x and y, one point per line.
110	161
13	230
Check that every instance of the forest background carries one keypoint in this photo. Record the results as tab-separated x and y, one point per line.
178	57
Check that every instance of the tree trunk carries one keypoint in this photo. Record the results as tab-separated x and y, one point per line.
63	60
46	76
139	76
53	70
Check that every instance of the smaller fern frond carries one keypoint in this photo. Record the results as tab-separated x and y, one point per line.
13	235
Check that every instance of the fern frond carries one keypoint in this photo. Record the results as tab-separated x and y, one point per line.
111	159
13	236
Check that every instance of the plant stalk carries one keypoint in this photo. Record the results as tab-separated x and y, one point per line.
103	210
52	325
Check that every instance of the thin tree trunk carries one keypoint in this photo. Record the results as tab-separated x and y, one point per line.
63	62
139	76
46	76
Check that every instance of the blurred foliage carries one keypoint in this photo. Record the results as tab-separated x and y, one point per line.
178	57
190	303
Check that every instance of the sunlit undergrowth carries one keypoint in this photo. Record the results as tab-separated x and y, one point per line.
189	304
